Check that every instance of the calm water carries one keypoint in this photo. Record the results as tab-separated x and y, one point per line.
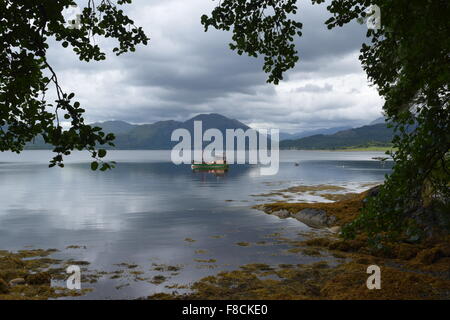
142	211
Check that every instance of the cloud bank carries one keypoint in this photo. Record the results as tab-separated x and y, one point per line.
185	71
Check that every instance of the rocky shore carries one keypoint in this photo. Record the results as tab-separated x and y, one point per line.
320	215
339	271
317	218
408	271
28	274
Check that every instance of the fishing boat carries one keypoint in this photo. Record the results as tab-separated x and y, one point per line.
217	164
380	158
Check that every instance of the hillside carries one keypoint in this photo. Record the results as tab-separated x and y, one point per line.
371	135
115	126
156	136
378	120
307	133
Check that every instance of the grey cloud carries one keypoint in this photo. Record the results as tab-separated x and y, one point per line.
314	88
185	71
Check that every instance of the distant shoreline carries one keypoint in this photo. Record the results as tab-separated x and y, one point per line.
339	150
350	149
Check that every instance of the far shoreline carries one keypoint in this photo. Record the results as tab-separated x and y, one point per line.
368	149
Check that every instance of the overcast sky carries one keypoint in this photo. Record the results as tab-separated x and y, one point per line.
184	71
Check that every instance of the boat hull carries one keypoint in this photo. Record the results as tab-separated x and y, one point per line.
209	166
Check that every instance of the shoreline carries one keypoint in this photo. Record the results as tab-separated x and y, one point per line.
408	271
368	149
343	149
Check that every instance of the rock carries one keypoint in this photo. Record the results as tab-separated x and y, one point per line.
372	192
335	229
4	288
16	282
283	214
433	220
314	217
41	278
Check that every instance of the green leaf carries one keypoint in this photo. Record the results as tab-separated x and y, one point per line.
101	153
94	165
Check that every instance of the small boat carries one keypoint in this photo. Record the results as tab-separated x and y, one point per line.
209	166
219	164
380	158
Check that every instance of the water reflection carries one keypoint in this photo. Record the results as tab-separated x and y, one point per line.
142	211
215	172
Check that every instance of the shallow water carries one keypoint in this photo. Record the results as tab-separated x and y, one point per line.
142	211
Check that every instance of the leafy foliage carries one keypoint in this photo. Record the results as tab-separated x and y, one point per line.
260	27
26	28
407	59
417	193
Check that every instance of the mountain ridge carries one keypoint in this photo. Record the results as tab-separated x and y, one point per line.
369	135
157	136
307	133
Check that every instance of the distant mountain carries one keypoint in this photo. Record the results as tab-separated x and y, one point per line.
371	135
157	136
147	136
307	133
378	120
215	120
115	127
